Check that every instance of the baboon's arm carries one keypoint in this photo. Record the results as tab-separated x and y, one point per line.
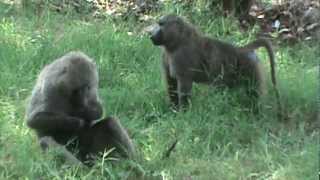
47	121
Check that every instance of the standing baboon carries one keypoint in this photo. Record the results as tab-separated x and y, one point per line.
191	57
63	105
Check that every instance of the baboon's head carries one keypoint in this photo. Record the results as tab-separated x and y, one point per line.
85	102
171	31
76	85
84	97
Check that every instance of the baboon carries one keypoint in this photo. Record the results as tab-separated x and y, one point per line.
64	105
191	57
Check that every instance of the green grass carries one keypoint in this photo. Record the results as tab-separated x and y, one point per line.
218	138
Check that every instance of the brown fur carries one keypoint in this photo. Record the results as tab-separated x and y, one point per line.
191	57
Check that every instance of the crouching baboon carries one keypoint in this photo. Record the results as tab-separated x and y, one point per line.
63	106
191	57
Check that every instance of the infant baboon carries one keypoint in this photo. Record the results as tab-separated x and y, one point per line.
63	105
191	57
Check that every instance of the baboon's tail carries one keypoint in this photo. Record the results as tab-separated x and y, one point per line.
266	43
263	43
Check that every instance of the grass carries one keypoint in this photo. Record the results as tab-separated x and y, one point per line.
217	137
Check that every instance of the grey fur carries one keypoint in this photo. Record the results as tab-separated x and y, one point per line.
64	104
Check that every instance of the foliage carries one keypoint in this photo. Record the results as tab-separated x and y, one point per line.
290	21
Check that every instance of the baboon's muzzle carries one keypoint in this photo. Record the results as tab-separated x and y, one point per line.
156	35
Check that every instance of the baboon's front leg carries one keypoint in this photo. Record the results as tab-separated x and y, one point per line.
172	87
184	90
